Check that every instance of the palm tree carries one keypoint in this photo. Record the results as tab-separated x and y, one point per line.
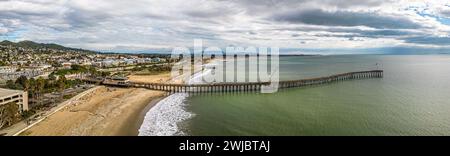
26	85
32	88
40	84
61	85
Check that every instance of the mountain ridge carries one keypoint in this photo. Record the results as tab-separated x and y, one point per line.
35	45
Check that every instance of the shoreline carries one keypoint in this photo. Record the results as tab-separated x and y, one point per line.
136	120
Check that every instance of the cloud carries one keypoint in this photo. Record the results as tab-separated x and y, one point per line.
443	41
146	24
445	13
346	18
3	30
353	3
84	18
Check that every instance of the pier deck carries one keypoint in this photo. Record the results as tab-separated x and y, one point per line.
244	86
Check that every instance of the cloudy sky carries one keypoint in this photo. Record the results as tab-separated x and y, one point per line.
135	25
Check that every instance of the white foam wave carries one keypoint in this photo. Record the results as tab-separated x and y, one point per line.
163	118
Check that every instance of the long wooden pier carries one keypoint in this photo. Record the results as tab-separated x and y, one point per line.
247	86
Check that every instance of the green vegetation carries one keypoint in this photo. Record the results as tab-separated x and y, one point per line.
37	87
78	69
9	114
65	97
74	69
27	114
3	63
61	84
151	70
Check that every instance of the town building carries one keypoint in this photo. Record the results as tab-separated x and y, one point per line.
17	96
67	65
8	69
29	73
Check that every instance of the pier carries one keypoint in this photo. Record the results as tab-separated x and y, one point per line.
243	86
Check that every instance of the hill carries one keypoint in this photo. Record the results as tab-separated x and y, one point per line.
34	45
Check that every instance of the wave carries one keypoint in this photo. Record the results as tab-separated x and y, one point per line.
163	118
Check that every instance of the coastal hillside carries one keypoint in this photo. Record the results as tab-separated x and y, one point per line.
34	45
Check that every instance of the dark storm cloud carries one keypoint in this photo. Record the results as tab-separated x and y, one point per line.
345	18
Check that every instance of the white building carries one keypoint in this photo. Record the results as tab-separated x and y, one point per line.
156	59
45	67
67	65
17	96
8	69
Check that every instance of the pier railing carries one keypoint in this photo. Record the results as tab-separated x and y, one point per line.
247	86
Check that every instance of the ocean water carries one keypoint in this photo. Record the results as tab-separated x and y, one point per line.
413	98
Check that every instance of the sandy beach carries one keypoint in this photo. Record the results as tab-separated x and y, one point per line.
159	78
104	112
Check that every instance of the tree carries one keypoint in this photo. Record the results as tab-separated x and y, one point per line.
32	88
8	114
104	74
22	80
3	63
55	64
92	71
10	84
61	83
40	84
26	85
77	67
52	76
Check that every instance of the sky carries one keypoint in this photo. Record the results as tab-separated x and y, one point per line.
145	25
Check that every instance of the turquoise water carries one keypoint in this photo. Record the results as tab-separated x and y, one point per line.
413	98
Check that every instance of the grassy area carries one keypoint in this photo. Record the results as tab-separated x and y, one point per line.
74	69
66	97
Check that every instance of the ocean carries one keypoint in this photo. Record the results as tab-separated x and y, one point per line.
413	98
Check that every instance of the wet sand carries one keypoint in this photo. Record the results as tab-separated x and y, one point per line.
132	128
